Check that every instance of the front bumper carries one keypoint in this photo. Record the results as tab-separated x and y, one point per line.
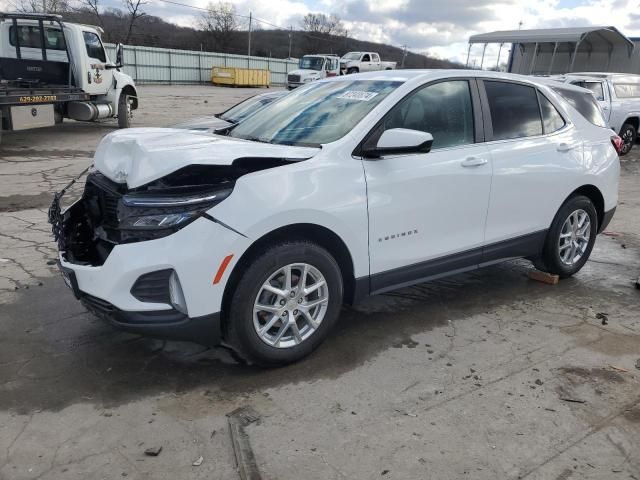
193	253
169	324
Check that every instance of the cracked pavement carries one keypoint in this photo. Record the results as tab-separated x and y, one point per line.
483	375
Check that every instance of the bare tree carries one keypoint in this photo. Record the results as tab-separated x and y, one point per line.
324	24
220	21
134	9
42	6
94	7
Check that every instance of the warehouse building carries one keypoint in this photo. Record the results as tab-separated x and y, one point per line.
560	50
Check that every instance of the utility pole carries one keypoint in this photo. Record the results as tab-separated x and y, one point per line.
404	55
290	37
249	49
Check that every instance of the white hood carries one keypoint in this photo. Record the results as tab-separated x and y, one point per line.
140	155
306	72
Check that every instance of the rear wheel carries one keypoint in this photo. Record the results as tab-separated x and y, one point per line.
125	112
628	133
285	304
570	239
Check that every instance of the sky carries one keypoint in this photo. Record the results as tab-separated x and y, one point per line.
439	28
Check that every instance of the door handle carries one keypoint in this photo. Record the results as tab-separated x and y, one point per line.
474	162
565	147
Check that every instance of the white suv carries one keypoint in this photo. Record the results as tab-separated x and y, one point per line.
344	188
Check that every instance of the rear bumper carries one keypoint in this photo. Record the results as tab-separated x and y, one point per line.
167	324
606	219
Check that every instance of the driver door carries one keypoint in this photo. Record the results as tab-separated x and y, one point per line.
98	78
427	211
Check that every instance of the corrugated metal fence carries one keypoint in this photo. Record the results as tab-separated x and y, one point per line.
167	65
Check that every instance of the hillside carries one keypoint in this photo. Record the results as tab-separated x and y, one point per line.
152	31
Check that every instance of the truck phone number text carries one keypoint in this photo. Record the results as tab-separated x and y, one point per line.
38	99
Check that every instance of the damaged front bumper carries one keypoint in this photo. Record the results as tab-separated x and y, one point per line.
158	287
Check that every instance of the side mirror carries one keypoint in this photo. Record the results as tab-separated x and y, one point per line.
398	141
119	55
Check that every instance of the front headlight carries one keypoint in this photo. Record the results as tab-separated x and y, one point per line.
161	212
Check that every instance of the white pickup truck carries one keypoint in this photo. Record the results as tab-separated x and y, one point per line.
356	62
618	95
51	70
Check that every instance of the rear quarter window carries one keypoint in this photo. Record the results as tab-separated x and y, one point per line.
584	103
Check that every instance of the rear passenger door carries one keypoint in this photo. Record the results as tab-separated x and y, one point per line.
536	154
427	211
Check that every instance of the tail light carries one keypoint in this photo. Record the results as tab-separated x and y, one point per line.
616	141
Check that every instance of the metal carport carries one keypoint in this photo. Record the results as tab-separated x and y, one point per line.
560	50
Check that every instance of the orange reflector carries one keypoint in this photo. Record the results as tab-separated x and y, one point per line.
222	268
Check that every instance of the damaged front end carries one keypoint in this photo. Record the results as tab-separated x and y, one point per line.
110	214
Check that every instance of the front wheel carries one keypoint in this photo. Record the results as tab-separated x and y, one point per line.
352	71
125	112
628	134
285	304
570	239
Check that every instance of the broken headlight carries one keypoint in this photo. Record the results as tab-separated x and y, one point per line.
159	212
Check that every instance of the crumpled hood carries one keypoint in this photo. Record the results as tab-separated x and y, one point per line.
138	156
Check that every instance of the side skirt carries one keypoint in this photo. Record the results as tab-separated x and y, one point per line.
523	246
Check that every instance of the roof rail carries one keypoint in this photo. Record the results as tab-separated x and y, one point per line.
30	16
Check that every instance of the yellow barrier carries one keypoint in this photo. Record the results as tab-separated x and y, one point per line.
240	77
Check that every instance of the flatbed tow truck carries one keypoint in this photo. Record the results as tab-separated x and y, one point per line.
51	70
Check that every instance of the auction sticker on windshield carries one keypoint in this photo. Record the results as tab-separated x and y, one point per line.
358	95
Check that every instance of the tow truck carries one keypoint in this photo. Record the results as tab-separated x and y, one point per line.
51	70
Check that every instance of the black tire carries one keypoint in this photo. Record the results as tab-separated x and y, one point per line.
550	260
241	333
352	70
628	133
124	120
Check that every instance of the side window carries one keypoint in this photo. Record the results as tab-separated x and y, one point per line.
595	87
376	58
54	39
94	46
551	118
29	36
514	110
365	58
443	109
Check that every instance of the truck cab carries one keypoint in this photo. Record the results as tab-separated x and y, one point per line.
50	69
356	62
313	67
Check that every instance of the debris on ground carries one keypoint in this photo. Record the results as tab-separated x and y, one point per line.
408	414
245	459
573	400
638	364
538	382
153	451
198	462
619	369
544	277
612	234
604	317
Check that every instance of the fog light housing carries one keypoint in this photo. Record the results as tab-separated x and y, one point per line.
176	295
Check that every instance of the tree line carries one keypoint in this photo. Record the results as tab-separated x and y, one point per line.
220	28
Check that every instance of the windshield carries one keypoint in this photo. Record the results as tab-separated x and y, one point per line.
244	109
352	56
311	63
319	113
585	103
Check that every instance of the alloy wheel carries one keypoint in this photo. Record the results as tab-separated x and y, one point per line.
627	140
290	305
574	237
